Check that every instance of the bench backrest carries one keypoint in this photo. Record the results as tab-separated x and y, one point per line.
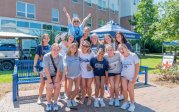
25	68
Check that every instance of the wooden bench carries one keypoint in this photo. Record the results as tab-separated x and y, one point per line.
23	74
143	71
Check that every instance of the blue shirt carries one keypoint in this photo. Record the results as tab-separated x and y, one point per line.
99	67
39	51
77	32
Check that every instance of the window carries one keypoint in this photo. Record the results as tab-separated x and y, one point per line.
89	2
55	15
113	8
25	10
64	29
22	24
75	1
47	27
75	15
8	23
102	4
35	25
57	28
89	22
101	22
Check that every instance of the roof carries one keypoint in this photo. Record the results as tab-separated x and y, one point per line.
14	34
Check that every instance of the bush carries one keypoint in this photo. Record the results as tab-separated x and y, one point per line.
169	74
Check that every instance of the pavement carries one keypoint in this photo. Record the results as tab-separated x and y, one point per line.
149	98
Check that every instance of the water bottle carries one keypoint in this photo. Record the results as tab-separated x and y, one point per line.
15	69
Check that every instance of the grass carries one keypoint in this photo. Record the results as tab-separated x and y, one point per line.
151	60
5	76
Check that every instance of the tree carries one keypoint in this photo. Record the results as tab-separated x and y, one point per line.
146	15
167	28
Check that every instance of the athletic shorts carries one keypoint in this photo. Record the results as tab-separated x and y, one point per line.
113	74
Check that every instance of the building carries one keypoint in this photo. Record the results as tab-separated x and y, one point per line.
36	17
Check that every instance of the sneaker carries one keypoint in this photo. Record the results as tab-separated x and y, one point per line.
131	108
39	100
121	97
111	101
125	105
96	103
116	102
74	103
102	103
55	107
48	107
69	104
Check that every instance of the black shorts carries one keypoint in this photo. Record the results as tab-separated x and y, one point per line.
113	74
45	78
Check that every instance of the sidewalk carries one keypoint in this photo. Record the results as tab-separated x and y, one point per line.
150	98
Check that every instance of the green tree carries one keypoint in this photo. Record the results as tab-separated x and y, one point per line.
167	28
146	15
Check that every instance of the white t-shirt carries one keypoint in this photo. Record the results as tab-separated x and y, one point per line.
128	66
85	60
64	49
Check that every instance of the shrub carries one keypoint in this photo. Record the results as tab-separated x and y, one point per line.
168	74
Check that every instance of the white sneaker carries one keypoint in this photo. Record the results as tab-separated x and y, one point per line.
125	105
131	108
55	106
69	103
96	103
74	103
121	97
48	107
111	101
116	102
102	103
39	100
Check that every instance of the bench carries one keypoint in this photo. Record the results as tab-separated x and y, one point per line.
23	74
143	71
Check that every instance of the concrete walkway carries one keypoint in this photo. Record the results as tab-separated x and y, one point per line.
150	98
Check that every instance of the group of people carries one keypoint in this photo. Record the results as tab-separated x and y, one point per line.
80	61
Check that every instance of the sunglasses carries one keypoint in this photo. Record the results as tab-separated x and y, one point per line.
85	46
75	21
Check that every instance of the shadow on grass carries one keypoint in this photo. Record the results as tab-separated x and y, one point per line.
6	72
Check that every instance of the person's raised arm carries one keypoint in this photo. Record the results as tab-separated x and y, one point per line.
85	19
67	15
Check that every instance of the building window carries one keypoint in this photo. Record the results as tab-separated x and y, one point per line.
22	24
89	22
56	28
55	15
101	22
47	27
25	10
75	15
75	1
102	4
113	8
89	2
8	23
64	29
35	25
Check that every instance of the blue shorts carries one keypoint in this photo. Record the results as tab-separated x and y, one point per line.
113	74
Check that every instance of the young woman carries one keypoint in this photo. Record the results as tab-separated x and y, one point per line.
52	70
100	67
108	40
95	43
73	70
114	73
120	39
85	36
130	69
86	71
41	50
65	43
75	26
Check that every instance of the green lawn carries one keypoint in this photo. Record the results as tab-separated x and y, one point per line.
150	60
5	76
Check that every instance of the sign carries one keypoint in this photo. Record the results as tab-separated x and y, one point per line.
167	61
